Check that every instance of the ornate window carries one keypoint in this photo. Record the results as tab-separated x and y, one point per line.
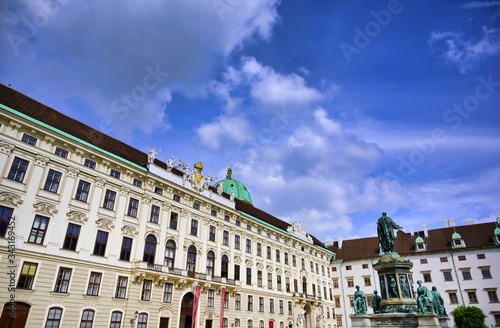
224	266
170	254
210	263
191	259
5	216
149	249
116	319
54	317
87	319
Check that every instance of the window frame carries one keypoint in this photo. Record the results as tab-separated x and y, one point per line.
125	251
71	240
52	181
61	152
26	280
133	207
109	199
37	230
101	241
93	287
87	323
121	287
18	169
168	291
82	194
155	214
63	282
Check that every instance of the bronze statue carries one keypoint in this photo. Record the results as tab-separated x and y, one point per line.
385	231
376	302
359	303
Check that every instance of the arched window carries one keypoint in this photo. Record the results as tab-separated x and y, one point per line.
170	254
143	320
224	323
87	318
250	323
150	249
116	319
54	317
210	263
304	285
282	324
224	266
191	260
261	324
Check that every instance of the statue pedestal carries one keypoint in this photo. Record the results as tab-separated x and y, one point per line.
360	321
401	320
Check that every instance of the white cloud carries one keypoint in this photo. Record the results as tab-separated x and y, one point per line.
465	53
481	4
105	47
212	135
328	125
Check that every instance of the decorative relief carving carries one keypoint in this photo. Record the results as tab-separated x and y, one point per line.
237	260
269	268
72	172
105	224
174	238
296	230
260	266
146	199
10	198
129	230
166	206
6	147
45	208
209	315
287	273
124	190
184	213
100	182
77	216
181	284
151	232
166	312
41	160
248	263
279	271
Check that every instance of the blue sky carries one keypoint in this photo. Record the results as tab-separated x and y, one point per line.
330	112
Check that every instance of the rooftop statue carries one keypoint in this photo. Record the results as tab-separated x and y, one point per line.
359	303
385	231
152	155
170	163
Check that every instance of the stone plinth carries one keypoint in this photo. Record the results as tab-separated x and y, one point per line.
360	321
400	320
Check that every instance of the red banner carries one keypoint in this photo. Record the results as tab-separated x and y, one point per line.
223	298
196	305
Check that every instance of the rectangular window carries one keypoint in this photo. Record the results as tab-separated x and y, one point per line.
249	246
211	235
211	295
339	321
486	272
443	259
62	281
277	255
115	174
271	305
336	283
147	286
194	227
94	284
109	199
317	268
466	274
447	276
53	180
225	237
237	301
472	296
365	266
173	220
286	262
249	227
38	230
237	242
295	285
312	266
155	214
213	213
481	256
72	235
126	249
27	275
18	169
278	282
337	301
367	281
236	272
259	249
82	193
492	294
294	260
427	277
350	282
281	306
29	139
196	206
250	303
423	261
453	297
5	216
61	152
290	310
462	258
348	267
269	280
176	198
269	252
100	243
287	284
226	217
237	222
226	300
90	164
121	287
261	304
133	206
259	278
167	294
249	276
137	183
158	191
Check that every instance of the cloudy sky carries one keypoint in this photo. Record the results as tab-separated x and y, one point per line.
330	112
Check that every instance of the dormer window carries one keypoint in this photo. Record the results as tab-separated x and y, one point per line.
420	245
457	240
496	235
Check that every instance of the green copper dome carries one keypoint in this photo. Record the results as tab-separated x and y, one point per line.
419	240
240	191
455	235
497	230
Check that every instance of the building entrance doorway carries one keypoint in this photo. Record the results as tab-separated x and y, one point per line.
21	315
308	323
164	322
208	323
186	317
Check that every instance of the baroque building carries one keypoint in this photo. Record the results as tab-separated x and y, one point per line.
95	233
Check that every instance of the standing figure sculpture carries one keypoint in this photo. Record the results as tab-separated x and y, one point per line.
424	299
359	302
376	302
393	288
405	286
301	318
170	163
152	155
438	303
385	231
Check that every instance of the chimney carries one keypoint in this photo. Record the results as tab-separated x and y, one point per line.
450	223
469	222
328	242
340	243
426	233
411	231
